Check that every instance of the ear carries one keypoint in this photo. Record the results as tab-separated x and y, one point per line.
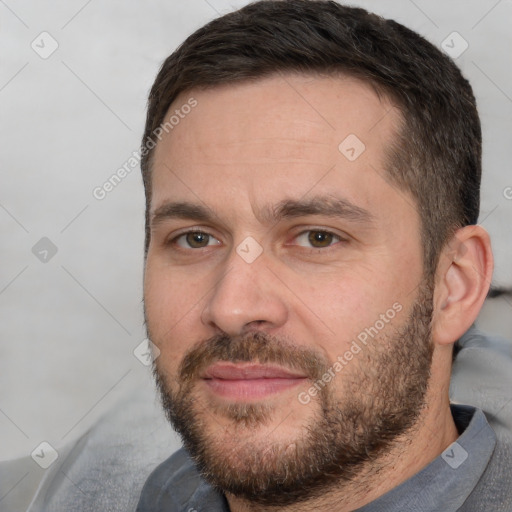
463	278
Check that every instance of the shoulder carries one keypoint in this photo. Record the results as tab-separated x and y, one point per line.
482	377
106	468
493	491
176	486
173	482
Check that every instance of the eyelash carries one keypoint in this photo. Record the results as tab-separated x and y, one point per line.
174	241
338	238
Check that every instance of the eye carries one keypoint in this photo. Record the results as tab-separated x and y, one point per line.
195	240
317	238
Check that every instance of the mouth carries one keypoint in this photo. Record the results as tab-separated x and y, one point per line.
249	381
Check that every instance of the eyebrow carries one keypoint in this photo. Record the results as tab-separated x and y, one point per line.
327	206
181	210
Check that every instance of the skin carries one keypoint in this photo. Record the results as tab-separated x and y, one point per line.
244	149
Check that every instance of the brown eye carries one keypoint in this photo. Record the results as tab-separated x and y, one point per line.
320	239
195	240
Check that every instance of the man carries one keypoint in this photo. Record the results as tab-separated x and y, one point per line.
312	178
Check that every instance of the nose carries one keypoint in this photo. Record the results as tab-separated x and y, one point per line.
246	297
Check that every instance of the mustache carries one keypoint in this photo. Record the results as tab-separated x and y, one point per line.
256	347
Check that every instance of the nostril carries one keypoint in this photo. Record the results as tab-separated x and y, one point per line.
253	325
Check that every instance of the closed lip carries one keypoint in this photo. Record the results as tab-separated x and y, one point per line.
249	371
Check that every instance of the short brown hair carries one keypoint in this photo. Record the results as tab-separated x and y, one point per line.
437	154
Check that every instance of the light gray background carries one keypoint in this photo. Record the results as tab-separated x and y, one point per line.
69	326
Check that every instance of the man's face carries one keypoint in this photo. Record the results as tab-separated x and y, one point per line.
282	284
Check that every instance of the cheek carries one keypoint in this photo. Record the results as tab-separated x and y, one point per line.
173	307
353	307
169	293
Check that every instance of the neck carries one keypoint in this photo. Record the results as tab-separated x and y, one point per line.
432	433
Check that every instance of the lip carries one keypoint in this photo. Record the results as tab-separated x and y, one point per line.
248	371
249	381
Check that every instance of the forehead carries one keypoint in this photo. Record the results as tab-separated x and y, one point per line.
286	135
318	109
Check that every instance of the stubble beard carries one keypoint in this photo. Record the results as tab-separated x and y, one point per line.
380	399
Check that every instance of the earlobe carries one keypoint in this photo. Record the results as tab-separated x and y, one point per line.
463	279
